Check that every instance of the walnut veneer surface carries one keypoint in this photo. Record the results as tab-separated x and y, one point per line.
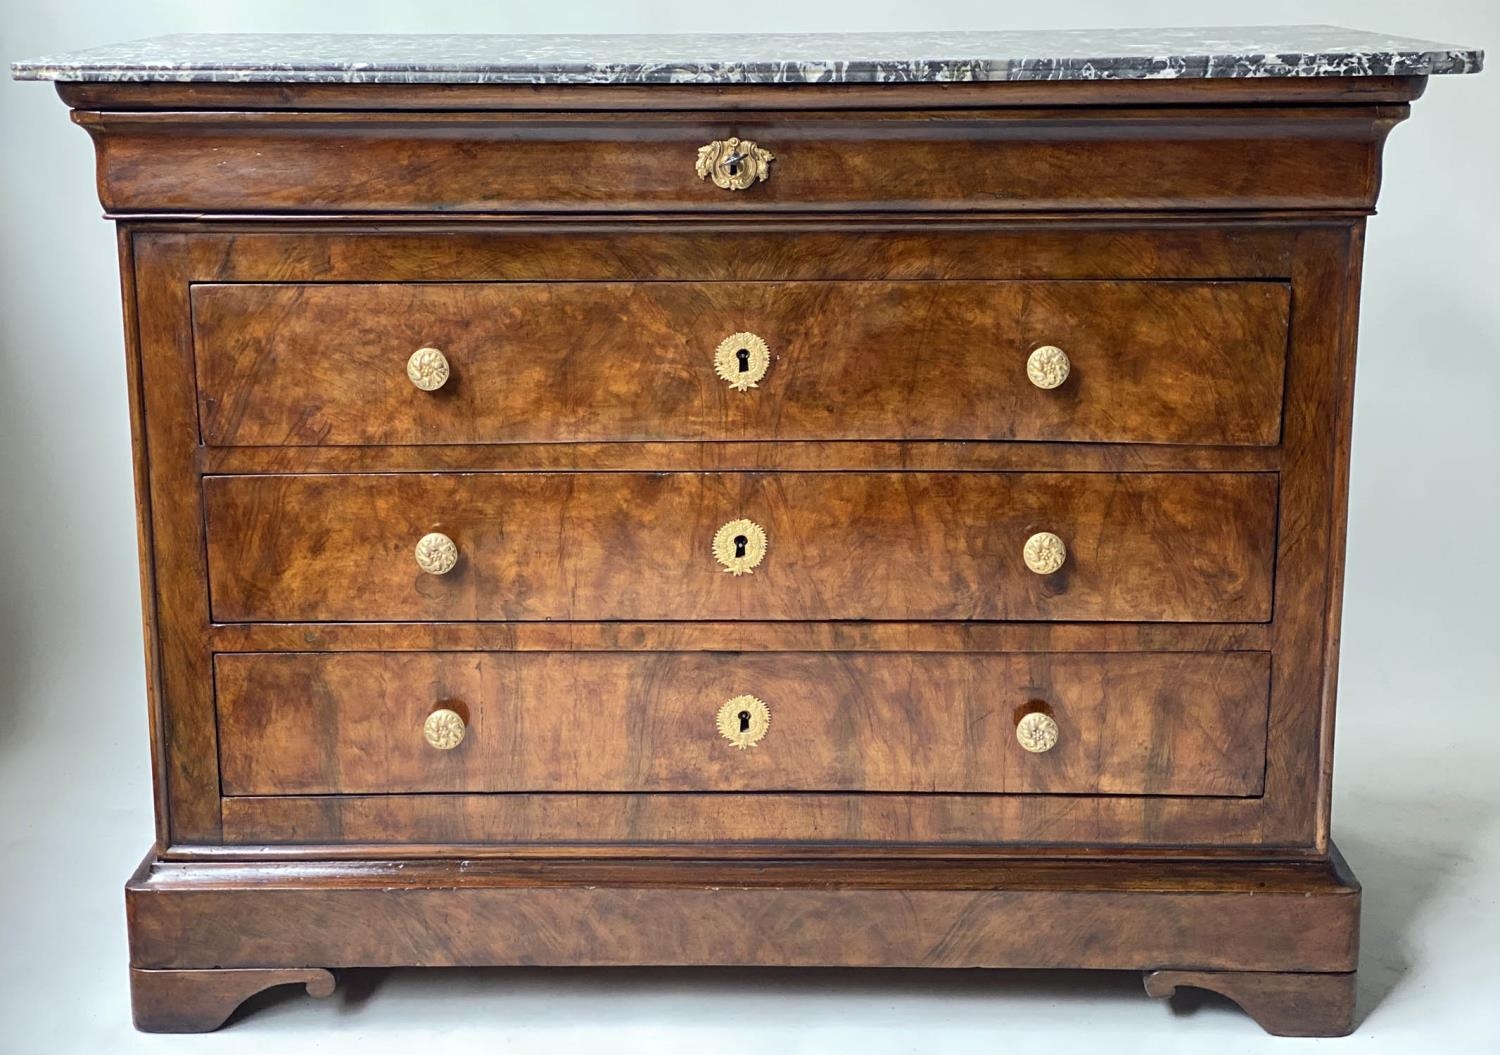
928	553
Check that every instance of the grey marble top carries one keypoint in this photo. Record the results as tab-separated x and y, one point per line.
1252	51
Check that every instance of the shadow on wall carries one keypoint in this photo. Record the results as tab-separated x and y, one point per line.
18	626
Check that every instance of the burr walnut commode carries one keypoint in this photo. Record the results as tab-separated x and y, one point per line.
761	501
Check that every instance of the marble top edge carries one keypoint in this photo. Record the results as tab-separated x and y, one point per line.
868	58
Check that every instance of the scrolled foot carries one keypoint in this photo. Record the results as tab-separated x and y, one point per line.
1290	1004
201	1001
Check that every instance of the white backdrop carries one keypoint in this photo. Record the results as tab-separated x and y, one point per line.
1418	779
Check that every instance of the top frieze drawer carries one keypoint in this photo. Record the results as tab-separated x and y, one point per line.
1076	159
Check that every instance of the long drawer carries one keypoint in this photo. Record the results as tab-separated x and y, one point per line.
955	161
1145	362
724	546
1100	724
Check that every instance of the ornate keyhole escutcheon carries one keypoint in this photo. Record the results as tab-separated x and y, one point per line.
743	721
734	164
742	360
740	546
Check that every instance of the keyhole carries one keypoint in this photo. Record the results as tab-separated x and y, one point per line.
734	167
740	542
743	355
744	721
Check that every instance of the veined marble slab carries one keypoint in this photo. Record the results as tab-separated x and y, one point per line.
863	58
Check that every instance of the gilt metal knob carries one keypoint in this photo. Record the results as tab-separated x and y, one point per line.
1048	366
1037	732
1044	553
444	729
428	369
436	553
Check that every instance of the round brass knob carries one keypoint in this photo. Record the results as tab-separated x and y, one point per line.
1044	553
444	729
1037	732
436	553
743	721
1048	366
734	164
427	369
740	546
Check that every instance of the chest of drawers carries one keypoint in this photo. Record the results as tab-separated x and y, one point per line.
862	513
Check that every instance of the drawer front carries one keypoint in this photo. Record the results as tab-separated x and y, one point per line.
957	161
1147	362
1125	724
636	546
